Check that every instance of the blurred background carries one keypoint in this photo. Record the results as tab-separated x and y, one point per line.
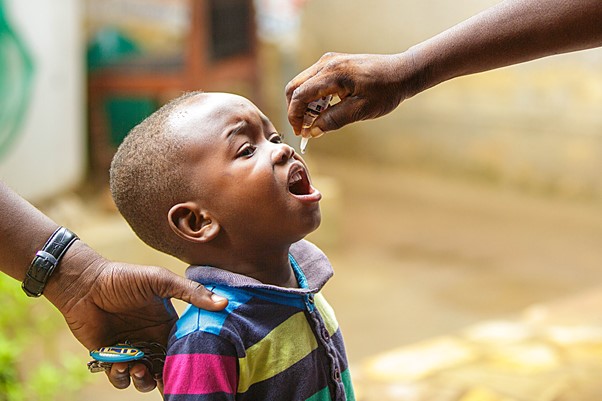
464	227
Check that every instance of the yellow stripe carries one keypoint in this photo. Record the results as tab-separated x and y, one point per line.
284	346
327	314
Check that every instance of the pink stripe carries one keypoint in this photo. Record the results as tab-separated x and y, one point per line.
199	374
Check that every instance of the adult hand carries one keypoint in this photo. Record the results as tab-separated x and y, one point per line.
511	32
103	302
369	86
107	302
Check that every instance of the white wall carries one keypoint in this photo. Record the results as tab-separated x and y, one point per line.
48	156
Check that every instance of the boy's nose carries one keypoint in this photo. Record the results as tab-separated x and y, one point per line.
284	153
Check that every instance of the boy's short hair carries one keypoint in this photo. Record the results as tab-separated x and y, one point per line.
146	179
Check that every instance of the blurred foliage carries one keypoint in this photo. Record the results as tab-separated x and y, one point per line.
32	365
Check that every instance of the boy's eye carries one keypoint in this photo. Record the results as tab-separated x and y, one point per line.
246	150
276	138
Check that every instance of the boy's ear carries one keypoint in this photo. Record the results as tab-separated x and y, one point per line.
192	223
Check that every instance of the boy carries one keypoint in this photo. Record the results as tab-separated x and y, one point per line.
208	180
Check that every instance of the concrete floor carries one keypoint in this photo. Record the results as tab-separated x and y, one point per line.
416	255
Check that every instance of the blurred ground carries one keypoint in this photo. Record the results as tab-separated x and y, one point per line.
417	256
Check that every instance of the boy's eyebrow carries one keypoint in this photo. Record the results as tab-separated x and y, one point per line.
236	129
241	125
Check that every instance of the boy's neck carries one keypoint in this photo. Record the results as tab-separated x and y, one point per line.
269	267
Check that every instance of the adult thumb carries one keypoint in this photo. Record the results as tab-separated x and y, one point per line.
192	292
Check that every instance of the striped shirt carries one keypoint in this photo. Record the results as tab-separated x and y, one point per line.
270	343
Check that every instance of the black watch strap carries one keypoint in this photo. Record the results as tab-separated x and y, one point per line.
46	261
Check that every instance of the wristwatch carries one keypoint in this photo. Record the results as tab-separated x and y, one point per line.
46	261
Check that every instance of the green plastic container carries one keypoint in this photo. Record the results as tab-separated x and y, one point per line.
16	79
124	113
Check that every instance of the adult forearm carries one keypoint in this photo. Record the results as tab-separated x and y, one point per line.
511	32
372	85
103	302
23	231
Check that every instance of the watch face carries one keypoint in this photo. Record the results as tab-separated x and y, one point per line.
117	353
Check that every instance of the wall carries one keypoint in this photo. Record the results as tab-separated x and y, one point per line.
537	125
48	156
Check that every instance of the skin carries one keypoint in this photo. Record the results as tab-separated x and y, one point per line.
234	151
102	301
371	85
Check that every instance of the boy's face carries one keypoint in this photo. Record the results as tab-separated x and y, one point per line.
255	186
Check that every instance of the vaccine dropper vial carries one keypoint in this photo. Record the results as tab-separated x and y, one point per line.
311	113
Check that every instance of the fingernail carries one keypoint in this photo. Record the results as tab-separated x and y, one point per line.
316	132
216	298
121	369
138	375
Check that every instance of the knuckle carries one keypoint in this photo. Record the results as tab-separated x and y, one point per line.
346	81
363	112
296	94
328	55
331	123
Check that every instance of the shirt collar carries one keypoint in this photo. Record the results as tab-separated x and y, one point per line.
315	271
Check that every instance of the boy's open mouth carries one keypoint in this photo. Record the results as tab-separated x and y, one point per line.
298	182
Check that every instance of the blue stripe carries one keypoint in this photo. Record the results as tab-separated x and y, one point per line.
282	298
194	319
301	279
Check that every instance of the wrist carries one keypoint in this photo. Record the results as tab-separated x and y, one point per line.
73	278
418	70
46	261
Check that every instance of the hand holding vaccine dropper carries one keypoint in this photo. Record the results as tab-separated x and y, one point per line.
313	111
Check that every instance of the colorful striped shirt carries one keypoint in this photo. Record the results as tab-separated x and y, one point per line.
270	343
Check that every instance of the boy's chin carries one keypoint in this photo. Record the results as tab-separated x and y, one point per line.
314	226
307	226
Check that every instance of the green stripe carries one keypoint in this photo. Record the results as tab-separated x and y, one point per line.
327	313
324	394
346	376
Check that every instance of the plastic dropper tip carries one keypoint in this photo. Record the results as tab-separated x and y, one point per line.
303	144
